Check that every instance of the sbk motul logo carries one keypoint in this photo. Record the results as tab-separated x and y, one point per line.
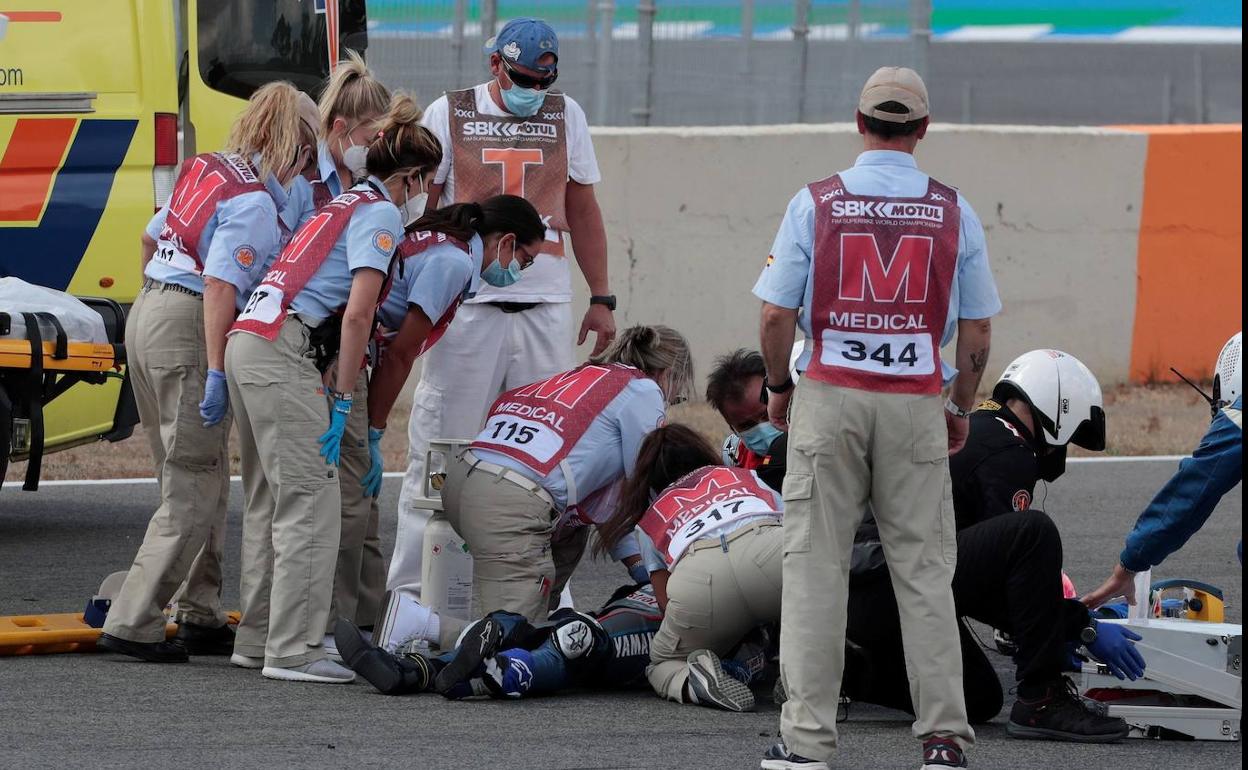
904	278
888	210
526	130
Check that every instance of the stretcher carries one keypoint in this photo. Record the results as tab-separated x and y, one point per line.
45	364
1192	686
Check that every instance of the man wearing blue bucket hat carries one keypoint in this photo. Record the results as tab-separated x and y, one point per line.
513	134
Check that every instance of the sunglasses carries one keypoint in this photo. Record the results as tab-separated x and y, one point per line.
528	81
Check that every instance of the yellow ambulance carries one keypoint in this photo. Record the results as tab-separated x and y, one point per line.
100	100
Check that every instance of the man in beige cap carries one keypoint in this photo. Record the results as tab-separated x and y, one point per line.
884	264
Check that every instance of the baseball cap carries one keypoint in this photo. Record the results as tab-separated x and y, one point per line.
894	84
524	41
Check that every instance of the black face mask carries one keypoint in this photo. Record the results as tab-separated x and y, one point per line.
1052	463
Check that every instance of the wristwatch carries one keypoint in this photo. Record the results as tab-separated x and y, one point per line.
1088	635
955	410
783	387
603	299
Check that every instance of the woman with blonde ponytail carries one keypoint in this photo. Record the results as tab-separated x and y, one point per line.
547	465
202	255
351	107
311	317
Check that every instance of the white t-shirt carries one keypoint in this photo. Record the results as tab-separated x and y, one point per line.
550	278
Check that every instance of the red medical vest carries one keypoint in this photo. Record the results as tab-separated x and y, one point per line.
203	182
413	245
883	272
539	424
702	501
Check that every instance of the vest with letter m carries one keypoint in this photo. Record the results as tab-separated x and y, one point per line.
701	502
203	182
883	271
413	246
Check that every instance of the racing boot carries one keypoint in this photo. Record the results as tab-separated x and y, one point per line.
404	619
389	674
478	642
1061	715
710	685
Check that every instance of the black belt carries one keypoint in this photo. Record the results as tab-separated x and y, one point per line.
152	283
513	307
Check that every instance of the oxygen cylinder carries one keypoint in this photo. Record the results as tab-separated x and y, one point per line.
446	570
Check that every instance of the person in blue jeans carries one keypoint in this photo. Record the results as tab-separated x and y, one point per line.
1187	500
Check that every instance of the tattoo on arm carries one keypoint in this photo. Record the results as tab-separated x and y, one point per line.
979	360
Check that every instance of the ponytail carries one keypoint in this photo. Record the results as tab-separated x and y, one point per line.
654	350
667	455
351	93
270	126
402	143
499	214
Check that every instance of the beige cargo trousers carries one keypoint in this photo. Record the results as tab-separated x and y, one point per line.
292	515
849	449
185	537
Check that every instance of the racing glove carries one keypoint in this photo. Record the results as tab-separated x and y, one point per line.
372	479
331	440
216	398
1115	647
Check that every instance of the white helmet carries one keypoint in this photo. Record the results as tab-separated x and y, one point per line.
1063	393
1228	373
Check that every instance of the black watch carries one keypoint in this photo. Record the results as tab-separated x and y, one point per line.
1088	635
603	299
783	387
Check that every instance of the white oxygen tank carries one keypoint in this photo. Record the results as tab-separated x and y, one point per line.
446	571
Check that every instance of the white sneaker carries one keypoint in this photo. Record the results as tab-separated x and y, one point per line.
246	661
320	671
404	620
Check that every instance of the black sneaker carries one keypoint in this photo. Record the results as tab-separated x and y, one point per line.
480	641
390	674
205	640
939	753
1061	715
778	757
152	652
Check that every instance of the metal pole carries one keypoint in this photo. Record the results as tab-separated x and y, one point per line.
855	19
747	63
801	34
1200	88
606	9
920	33
457	38
646	11
489	18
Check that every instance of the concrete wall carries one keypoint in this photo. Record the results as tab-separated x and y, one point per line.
691	214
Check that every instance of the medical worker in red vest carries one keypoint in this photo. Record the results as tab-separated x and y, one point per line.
202	254
446	255
710	537
546	465
884	263
336	264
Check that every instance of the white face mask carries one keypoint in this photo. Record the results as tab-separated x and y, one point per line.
413	207
355	157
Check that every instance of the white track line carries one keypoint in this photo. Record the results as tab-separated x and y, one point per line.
16	483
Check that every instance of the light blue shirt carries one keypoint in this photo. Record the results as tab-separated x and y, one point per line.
328	169
239	242
367	241
605	452
433	281
787	281
299	206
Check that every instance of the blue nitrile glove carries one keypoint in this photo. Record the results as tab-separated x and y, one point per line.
1114	646
216	398
372	479
331	440
639	573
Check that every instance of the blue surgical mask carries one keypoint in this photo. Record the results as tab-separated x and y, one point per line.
760	437
496	274
524	102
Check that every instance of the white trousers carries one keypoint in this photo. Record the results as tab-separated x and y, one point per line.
483	353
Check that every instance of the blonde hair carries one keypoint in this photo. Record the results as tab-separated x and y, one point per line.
654	349
351	92
269	125
401	141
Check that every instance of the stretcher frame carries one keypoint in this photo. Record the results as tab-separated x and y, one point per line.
1183	658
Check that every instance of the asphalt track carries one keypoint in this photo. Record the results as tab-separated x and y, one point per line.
106	711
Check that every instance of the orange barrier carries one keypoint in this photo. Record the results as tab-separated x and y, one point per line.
1190	263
